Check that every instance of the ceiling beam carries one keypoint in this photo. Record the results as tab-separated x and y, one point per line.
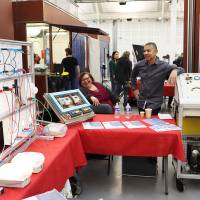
97	11
103	1
141	15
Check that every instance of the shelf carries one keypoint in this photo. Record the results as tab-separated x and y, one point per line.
12	77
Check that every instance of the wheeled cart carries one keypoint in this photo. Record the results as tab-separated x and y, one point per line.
187	113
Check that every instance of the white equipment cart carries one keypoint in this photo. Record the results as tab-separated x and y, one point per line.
187	113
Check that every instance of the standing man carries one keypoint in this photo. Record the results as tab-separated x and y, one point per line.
70	65
153	72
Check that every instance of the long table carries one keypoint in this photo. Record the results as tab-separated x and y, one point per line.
62	157
133	142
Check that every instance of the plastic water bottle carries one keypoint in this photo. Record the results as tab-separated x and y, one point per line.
128	111
117	111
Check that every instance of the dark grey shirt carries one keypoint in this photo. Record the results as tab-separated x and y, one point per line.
152	81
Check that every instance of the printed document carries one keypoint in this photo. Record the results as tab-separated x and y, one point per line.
92	125
167	127
134	124
164	116
155	122
113	124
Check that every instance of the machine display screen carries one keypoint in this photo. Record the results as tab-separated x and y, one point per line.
70	106
68	100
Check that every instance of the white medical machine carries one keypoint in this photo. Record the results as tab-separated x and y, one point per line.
187	113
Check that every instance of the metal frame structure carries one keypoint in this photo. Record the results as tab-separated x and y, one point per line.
20	146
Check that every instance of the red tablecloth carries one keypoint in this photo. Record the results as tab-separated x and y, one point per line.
131	142
62	157
168	90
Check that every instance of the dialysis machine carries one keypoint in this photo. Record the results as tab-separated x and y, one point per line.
70	106
187	113
17	109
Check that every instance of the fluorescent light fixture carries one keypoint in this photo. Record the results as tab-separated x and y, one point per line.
122	2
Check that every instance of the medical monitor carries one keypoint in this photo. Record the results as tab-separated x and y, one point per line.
58	68
70	106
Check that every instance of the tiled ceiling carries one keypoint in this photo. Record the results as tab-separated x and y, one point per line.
134	9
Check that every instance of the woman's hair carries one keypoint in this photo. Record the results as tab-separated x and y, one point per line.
113	54
83	74
126	54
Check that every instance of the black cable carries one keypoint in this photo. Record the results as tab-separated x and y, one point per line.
5	61
13	59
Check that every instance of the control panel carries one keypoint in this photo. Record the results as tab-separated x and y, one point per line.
70	106
188	89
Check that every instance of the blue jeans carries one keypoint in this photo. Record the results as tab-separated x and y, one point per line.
122	88
113	83
71	84
102	109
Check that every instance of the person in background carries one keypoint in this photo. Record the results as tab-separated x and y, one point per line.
36	59
123	76
179	61
112	68
166	58
153	72
70	65
100	97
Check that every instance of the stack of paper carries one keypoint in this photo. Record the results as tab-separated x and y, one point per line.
92	125
164	116
113	124
166	127
155	121
134	124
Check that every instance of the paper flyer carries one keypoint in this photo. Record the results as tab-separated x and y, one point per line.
92	125
155	122
164	116
113	124
134	124
162	128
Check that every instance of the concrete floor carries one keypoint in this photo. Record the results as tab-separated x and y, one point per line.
97	185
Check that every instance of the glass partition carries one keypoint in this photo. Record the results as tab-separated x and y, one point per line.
38	34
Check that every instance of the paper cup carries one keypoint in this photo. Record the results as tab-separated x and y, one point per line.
148	112
141	114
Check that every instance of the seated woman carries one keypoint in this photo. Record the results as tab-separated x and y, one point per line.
100	97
